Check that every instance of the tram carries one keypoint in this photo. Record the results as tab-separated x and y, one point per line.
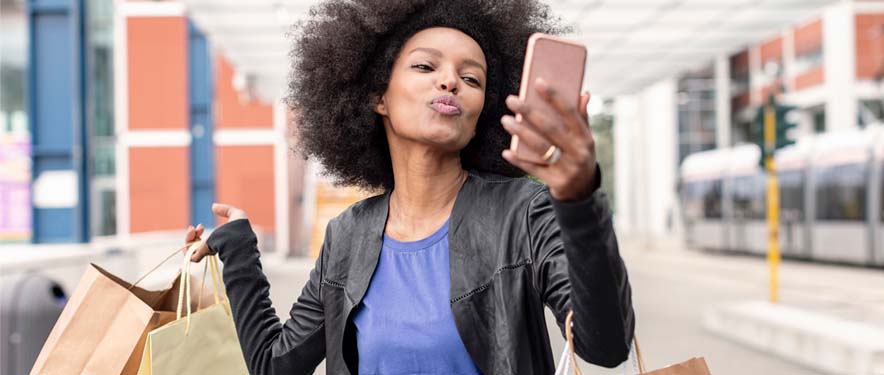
831	198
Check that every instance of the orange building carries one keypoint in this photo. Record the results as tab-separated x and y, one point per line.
151	125
829	66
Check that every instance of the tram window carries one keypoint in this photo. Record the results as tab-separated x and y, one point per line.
702	199
712	200
691	199
841	192
791	195
749	197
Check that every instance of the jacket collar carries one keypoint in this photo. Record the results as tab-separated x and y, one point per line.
365	254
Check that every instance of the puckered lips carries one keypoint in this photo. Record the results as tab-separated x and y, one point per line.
446	105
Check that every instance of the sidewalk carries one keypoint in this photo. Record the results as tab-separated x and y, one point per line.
829	318
822	306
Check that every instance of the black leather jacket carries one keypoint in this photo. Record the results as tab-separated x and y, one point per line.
513	249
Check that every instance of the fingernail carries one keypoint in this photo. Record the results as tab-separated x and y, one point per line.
541	83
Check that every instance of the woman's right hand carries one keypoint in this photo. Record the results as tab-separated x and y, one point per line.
194	233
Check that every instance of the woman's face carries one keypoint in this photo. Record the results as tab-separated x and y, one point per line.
436	90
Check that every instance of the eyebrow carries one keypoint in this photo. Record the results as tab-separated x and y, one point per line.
438	53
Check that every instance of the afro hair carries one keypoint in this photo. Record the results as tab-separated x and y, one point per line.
342	57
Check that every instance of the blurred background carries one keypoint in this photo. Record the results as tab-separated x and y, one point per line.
122	121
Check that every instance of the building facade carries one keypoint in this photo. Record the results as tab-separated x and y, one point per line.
121	119
830	66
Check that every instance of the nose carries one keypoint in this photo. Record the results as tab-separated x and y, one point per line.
447	80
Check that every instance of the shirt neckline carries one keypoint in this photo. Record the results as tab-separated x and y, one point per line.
420	244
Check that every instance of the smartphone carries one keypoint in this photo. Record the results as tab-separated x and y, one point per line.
561	63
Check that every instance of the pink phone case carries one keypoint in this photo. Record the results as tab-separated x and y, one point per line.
561	63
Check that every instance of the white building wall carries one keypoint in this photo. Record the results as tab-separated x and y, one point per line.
839	66
625	163
646	153
722	101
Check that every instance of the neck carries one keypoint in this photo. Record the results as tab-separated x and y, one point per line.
426	191
426	186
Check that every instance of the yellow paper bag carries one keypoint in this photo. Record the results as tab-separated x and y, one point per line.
204	342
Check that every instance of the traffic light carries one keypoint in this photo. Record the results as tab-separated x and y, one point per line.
784	126
781	125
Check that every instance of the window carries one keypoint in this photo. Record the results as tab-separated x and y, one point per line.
819	122
696	112
808	60
870	112
749	197
701	199
690	202
841	192
791	195
712	200
100	116
15	139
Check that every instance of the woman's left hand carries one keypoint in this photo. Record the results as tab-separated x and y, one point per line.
572	176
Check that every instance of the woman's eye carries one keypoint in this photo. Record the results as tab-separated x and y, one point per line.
422	66
473	80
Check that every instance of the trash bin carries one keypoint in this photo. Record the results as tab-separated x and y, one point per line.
30	304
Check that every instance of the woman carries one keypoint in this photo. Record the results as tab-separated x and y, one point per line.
448	270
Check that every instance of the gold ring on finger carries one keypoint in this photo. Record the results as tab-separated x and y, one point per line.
552	155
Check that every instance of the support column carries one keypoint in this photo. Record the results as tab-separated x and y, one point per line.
645	126
626	137
659	126
56	119
201	126
723	128
839	66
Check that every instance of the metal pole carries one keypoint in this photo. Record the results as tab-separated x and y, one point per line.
773	201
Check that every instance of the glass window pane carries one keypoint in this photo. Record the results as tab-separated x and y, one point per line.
100	114
15	139
841	192
712	200
749	197
791	195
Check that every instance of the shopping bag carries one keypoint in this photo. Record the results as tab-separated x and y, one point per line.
693	366
201	342
104	324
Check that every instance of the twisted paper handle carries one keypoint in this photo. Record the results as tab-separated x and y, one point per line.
568	353
184	298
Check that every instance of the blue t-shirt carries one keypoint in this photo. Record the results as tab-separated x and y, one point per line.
405	325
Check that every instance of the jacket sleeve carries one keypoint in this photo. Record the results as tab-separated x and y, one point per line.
578	267
269	347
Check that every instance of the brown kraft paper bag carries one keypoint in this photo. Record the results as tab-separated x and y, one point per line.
104	325
693	366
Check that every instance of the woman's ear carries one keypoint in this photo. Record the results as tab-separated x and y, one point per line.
380	106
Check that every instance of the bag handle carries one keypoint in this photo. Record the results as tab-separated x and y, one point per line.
185	287
638	355
573	357
570	337
180	249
